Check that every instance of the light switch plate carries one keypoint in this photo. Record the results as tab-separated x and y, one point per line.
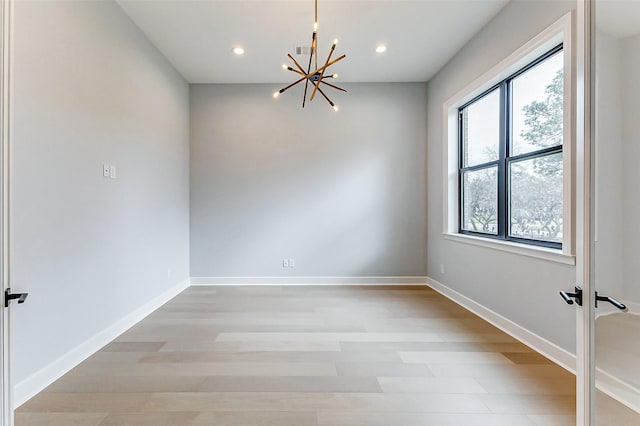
106	170
112	171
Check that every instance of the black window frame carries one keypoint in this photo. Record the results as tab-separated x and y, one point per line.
504	159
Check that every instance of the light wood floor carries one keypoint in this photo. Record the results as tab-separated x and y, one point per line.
302	356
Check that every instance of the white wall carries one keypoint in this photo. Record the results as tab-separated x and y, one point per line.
89	88
344	194
609	270
523	289
617	175
631	138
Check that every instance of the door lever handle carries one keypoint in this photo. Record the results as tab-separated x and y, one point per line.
8	296
611	300
570	297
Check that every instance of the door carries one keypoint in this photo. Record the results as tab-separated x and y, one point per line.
608	206
6	408
615	263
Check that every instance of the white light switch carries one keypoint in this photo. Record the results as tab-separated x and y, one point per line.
285	263
112	171
106	170
292	263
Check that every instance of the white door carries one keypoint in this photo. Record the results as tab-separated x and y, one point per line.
6	296
615	262
608	204
6	409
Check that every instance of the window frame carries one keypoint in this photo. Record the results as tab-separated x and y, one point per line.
505	159
561	31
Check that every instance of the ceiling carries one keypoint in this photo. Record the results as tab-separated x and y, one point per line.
620	18
197	37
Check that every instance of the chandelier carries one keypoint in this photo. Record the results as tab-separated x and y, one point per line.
316	76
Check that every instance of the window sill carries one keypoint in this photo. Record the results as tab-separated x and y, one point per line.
544	253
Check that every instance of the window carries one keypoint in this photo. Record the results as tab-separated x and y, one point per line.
510	165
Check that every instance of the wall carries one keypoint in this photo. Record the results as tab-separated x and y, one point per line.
344	193
631	138
89	88
522	289
618	200
609	270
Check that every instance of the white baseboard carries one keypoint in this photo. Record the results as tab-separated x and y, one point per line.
552	351
617	389
389	280
39	380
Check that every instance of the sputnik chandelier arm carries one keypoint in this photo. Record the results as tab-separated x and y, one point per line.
317	76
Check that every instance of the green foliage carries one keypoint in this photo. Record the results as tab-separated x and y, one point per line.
544	124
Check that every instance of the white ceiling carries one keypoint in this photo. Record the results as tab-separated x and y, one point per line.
197	36
620	18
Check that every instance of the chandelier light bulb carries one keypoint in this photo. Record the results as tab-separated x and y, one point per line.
238	50
381	49
335	42
284	66
315	27
334	76
276	94
335	108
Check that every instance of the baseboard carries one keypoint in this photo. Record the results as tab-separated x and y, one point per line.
388	280
617	389
552	351
35	383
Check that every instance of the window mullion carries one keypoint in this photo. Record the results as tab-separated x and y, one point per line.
502	160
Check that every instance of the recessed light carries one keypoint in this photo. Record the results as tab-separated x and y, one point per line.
238	51
381	48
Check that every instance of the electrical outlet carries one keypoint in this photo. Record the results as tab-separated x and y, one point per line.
442	268
106	170
292	263
285	263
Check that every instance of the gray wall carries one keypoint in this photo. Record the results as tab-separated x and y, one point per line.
631	138
609	161
344	194
618	200
523	289
89	88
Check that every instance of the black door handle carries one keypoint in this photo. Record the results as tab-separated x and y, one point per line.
611	300
570	297
8	296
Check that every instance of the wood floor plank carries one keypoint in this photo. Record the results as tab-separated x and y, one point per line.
149	419
256	418
328	337
290	384
307	401
271	356
59	419
430	385
419	419
206	369
199	346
